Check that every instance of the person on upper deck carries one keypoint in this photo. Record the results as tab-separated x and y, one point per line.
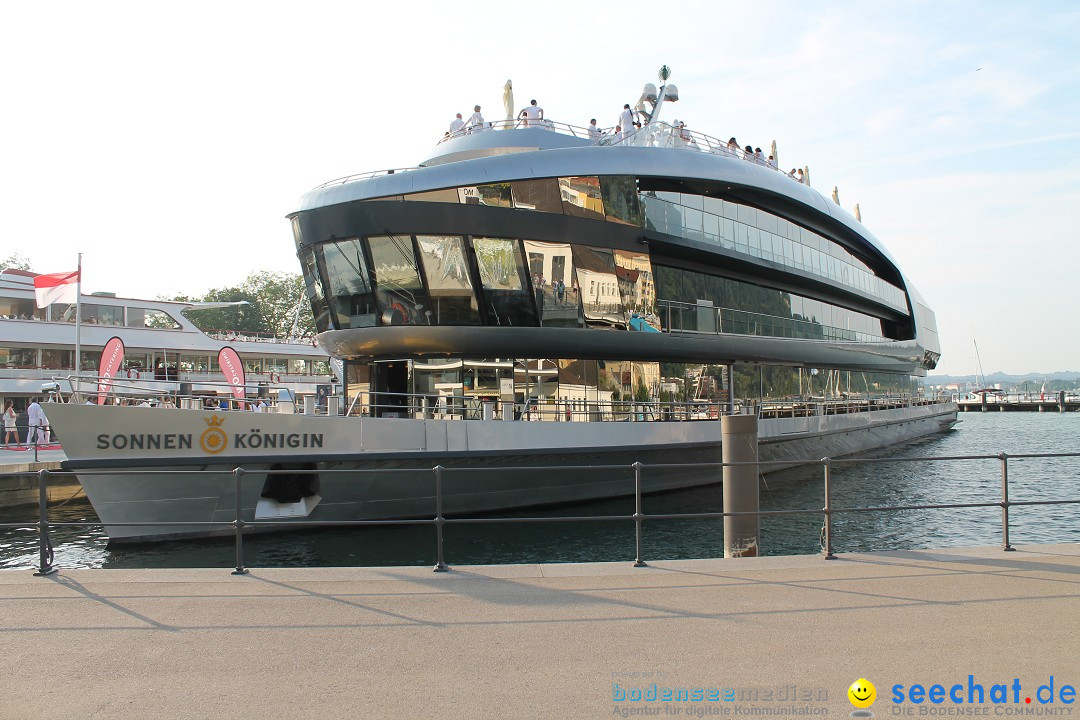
456	124
758	157
594	132
626	118
533	115
748	153
771	162
476	121
684	134
618	137
800	177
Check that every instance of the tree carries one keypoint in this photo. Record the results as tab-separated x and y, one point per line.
15	262
274	299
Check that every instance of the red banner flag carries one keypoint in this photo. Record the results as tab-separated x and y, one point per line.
230	364
112	357
57	287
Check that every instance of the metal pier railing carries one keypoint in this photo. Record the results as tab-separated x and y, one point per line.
439	520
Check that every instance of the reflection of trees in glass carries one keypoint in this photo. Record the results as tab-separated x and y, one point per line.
444	262
620	197
496	194
498	263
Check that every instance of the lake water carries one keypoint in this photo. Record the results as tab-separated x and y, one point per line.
862	485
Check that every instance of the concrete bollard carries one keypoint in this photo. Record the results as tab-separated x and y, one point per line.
739	436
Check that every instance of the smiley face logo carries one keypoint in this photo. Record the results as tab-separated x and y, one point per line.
862	693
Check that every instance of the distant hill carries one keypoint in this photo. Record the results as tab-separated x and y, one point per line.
1062	380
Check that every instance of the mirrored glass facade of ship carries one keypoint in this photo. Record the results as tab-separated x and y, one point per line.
764	236
567	390
430	280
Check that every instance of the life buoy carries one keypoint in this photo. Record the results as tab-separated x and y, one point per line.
133	374
401	309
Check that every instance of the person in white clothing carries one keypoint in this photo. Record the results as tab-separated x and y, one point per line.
35	418
594	132
259	406
626	119
476	121
456	124
533	115
618	135
10	434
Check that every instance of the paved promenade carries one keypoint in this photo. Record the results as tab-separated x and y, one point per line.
784	633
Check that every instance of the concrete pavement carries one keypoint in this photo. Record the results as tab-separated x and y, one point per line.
783	635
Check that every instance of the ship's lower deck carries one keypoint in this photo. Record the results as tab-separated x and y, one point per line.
377	468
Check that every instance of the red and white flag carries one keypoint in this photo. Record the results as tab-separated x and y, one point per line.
57	287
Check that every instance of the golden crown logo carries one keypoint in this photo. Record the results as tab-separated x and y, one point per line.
213	439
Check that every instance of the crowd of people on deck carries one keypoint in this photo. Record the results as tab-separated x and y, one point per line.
628	123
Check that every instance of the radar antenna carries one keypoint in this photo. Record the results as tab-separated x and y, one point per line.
655	97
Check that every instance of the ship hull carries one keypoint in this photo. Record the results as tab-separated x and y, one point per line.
349	469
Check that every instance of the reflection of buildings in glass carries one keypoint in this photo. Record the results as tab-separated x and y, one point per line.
583	193
599	285
643	287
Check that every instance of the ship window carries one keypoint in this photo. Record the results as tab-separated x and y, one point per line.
314	291
446	270
551	268
57	359
351	300
692	222
14	357
540	195
195	363
442	196
494	195
398	290
581	197
94	314
148	318
507	293
601	300
15	309
636	287
620	196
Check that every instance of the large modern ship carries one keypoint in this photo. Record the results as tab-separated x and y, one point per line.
535	294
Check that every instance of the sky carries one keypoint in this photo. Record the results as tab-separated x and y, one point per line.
167	142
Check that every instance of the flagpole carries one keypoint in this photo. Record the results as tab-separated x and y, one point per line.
78	326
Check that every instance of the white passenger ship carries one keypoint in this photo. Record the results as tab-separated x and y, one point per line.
165	353
535	295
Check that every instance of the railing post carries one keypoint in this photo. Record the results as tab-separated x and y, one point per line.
45	556
827	527
638	517
35	445
238	523
1005	503
440	564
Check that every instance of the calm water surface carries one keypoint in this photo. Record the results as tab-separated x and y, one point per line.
861	485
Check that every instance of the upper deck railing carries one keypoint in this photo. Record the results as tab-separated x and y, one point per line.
658	134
